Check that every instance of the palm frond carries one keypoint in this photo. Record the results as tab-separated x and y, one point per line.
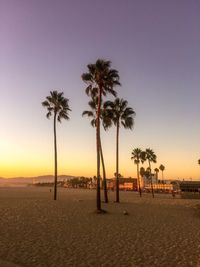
87	77
88	113
93	122
88	90
48	115
45	103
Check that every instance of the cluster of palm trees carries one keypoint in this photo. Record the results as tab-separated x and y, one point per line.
102	80
140	156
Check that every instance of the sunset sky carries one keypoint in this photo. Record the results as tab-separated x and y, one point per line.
47	44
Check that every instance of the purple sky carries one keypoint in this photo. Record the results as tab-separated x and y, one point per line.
154	44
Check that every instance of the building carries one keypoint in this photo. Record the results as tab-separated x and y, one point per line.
190	189
124	184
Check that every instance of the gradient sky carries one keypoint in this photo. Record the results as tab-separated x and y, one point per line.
47	44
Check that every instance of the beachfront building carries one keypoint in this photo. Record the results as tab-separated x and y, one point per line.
126	184
190	189
160	187
147	181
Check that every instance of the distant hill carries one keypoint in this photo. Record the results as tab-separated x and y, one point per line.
24	181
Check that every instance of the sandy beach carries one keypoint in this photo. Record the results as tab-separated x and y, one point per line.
36	231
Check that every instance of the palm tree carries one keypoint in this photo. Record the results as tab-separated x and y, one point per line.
162	168
121	115
156	172
100	80
142	172
57	105
106	122
199	161
150	156
147	174
136	156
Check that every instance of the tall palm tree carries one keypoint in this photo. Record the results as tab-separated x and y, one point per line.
106	123
150	156
100	80
121	115
57	105
162	168
136	156
156	172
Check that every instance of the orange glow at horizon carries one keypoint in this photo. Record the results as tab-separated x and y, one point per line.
37	168
34	156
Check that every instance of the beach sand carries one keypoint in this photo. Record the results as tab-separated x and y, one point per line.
36	231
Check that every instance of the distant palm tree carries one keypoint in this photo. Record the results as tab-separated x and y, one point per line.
57	105
100	80
120	114
147	174
136	156
199	161
156	172
150	156
106	122
119	175
162	168
142	171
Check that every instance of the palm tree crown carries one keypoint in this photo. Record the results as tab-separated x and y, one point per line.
100	75
120	113
162	167
56	103
150	156
136	155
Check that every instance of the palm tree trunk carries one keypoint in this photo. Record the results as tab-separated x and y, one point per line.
104	175
117	163
55	155
139	180
98	200
162	178
152	191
